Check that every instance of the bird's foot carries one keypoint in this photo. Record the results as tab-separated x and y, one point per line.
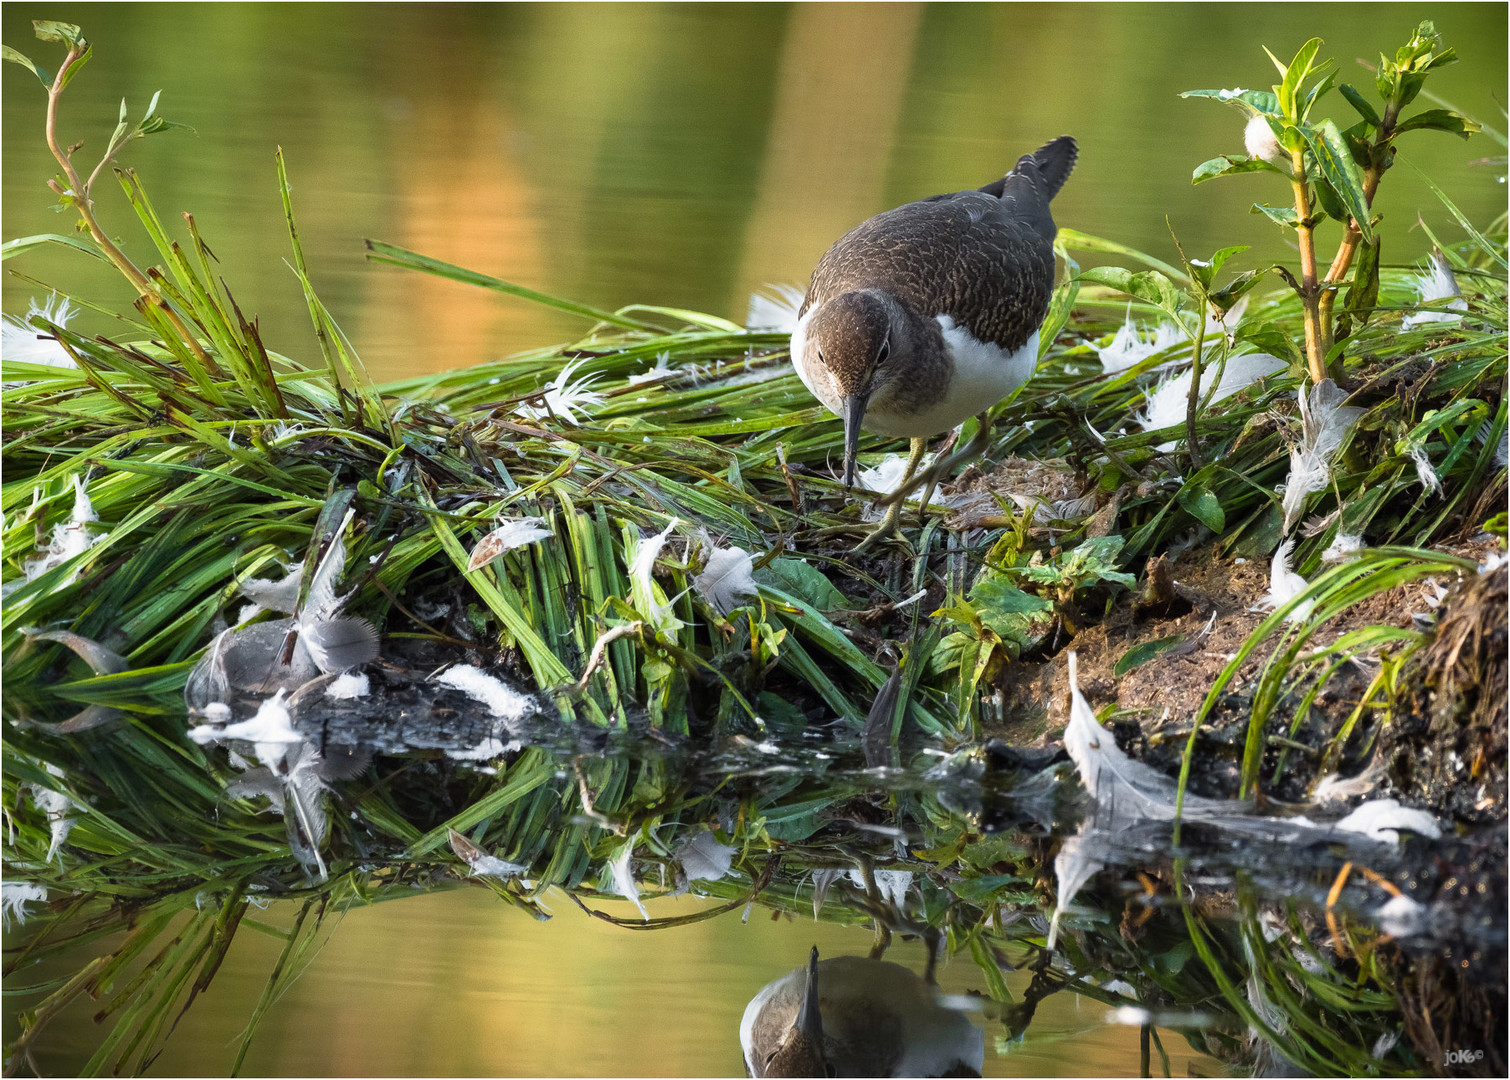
891	525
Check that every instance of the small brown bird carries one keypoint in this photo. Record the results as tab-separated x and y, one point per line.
928	314
853	1016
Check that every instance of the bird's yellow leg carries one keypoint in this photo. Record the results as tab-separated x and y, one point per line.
889	524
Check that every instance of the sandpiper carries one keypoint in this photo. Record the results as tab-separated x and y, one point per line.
854	1016
928	314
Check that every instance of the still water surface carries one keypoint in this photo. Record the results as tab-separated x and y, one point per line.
457	984
676	154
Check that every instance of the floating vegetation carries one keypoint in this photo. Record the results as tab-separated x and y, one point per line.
589	619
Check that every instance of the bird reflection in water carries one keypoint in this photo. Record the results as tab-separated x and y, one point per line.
858	1016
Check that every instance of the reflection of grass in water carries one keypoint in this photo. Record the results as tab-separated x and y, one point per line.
210	460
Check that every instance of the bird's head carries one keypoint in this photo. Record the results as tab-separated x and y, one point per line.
860	339
800	1052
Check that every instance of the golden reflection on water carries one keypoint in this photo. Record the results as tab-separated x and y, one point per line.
459	984
674	154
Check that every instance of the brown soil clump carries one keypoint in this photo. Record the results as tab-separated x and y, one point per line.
1447	744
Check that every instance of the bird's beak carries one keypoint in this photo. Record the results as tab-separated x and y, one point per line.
854	412
809	1021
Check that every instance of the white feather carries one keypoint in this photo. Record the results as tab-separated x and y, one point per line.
1285	584
774	308
1436	284
1166	404
727	580
1424	471
22	343
563	398
642	586
14	896
1129	346
704	858
1324	422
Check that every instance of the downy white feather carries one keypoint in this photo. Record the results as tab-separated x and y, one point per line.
1324	422
1167	403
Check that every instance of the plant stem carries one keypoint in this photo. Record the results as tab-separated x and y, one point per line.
1194	398
85	205
1353	234
1309	287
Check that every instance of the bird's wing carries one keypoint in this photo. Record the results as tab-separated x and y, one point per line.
982	258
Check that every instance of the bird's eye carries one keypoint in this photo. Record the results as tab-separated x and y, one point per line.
770	1057
885	351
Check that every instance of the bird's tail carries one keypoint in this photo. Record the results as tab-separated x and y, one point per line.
1054	160
1047	168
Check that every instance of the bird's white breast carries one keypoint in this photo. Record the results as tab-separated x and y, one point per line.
984	373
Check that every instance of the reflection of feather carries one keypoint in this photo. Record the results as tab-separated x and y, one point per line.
503	701
822	879
891	884
703	858
483	864
1127	794
623	877
304	811
1324	421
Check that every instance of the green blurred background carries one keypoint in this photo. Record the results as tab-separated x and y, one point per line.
675	154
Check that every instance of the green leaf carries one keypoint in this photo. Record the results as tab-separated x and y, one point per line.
1202	504
1221	255
1340	170
1294	75
1331	205
1251	101
1440	120
380	252
1493	251
1074	240
7	53
23	244
995	595
1272	338
1317	93
1359	102
61	32
1284	215
1149	285
1141	654
1228	164
1363	295
1239	286
805	581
